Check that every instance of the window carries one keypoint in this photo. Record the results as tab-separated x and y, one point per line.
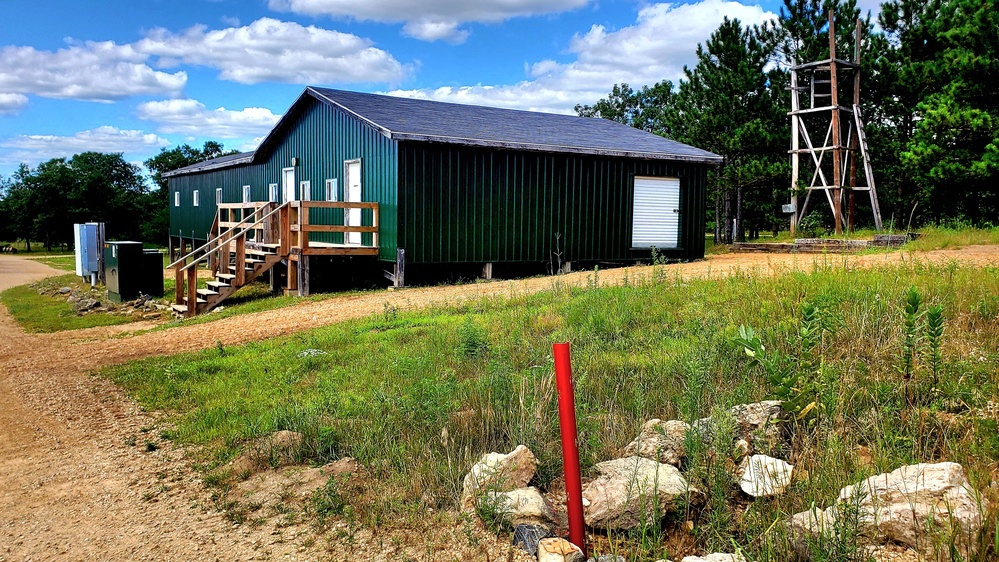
196	198
272	190
331	189
305	190
246	194
218	196
176	199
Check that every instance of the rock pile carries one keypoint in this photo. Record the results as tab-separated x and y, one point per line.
93	300
909	514
920	506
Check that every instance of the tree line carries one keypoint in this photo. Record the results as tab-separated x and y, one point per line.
930	76
41	204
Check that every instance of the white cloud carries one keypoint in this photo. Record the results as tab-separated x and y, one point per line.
270	50
436	30
662	40
191	117
92	71
12	103
252	144
267	50
429	20
32	149
231	21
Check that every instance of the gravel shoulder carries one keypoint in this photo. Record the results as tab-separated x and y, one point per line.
71	487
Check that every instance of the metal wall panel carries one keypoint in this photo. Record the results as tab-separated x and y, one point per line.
321	138
655	219
466	204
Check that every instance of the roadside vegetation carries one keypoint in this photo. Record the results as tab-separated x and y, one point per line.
41	308
889	366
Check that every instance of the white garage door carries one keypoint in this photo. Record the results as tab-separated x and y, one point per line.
656	220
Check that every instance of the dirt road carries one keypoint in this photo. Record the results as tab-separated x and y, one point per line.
73	487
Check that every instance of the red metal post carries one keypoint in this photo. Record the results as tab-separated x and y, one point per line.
570	450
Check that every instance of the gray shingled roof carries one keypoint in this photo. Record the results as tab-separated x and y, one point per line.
406	119
214	163
423	120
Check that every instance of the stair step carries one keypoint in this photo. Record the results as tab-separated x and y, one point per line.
217	285
179	308
251	260
270	246
207	292
199	301
226	276
259	252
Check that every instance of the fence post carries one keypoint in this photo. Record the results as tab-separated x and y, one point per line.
570	449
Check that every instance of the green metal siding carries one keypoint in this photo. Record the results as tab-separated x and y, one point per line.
322	138
464	204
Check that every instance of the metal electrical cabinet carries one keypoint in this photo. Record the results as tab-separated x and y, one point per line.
152	273
123	265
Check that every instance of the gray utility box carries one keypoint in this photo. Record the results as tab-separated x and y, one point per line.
89	241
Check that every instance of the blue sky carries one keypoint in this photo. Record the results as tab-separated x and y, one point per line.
137	76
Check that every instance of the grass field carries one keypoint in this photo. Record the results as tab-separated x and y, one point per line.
64	262
41	313
418	396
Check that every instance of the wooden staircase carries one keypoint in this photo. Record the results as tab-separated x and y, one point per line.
250	239
235	256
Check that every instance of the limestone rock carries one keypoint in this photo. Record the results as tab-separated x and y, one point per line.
629	491
660	441
762	476
900	506
523	506
715	557
500	473
755	423
559	550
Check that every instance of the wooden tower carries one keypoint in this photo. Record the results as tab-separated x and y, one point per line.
832	165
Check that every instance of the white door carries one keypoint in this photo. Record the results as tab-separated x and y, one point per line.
352	217
656	218
288	184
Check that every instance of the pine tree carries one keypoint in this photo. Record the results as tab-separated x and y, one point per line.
729	104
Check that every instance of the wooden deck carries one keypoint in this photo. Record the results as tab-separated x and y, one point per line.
249	239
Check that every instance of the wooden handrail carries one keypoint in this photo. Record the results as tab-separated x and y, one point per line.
302	227
220	236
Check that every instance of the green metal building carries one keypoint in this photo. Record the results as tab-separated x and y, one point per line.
461	184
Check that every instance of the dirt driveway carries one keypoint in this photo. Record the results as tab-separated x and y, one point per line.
72	487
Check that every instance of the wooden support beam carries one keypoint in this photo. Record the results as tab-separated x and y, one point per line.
303	276
854	141
178	274
487	271
291	280
192	290
332	228
284	217
344	251
240	261
837	153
